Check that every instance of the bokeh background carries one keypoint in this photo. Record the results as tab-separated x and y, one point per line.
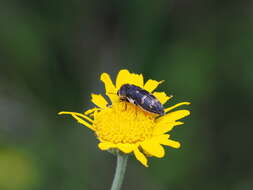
51	56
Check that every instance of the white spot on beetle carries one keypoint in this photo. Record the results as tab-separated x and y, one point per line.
142	99
153	102
131	100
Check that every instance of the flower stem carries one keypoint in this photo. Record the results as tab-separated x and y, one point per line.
120	171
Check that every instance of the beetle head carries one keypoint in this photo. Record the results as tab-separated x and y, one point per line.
122	92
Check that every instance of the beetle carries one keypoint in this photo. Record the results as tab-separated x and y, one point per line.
140	97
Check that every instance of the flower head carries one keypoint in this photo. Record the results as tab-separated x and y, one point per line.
124	126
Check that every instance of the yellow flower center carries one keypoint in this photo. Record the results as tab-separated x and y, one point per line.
123	122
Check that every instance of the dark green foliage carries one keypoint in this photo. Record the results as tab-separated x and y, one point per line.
51	56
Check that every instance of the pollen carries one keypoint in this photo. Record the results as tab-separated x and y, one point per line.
123	122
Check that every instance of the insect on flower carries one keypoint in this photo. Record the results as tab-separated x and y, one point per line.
140	97
132	131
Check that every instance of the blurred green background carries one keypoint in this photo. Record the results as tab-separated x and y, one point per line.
52	54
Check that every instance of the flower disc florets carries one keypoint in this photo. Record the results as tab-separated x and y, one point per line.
123	123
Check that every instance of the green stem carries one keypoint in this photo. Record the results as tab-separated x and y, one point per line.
120	171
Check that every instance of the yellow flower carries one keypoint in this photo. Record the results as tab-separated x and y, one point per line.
124	126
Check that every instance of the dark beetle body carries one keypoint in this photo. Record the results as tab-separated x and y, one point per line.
141	98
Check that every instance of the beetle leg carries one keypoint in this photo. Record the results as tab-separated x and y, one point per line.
125	106
135	111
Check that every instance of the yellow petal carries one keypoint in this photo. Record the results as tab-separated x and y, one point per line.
153	148
126	148
141	157
151	85
164	127
164	140
79	120
105	145
99	100
162	97
109	86
159	138
77	114
136	79
89	111
169	142
175	106
173	116
110	89
123	77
